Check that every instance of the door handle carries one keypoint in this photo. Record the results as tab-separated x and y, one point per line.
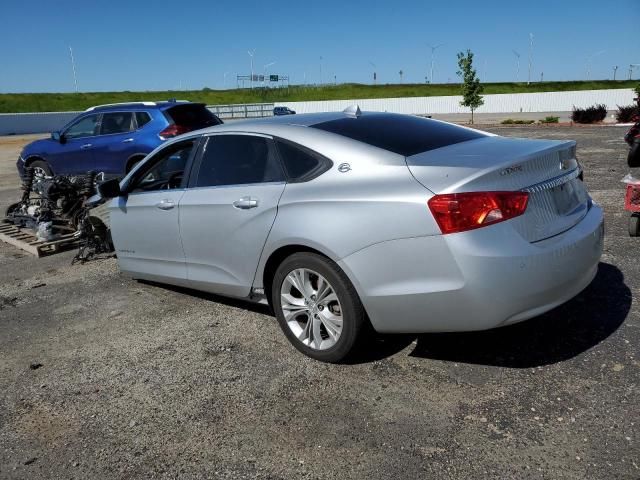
85	146
165	204
127	140
246	203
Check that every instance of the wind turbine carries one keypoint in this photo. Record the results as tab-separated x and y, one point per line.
530	56
517	65
589	58
433	51
73	67
251	54
264	76
374	71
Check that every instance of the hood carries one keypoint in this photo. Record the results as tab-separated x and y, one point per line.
36	147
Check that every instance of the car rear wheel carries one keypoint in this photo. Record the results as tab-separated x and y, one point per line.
634	225
317	307
41	169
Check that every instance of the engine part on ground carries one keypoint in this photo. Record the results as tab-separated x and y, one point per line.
95	238
55	209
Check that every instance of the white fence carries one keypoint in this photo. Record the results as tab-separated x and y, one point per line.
503	103
18	123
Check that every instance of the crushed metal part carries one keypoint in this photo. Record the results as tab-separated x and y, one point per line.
55	210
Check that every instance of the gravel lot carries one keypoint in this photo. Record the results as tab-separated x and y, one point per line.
144	381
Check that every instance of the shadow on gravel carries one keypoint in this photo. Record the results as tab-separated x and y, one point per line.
558	335
212	297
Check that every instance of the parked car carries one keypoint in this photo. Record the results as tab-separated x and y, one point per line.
343	219
113	138
277	111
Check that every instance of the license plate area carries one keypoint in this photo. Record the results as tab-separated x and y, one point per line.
567	197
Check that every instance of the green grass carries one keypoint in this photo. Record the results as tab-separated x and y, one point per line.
60	102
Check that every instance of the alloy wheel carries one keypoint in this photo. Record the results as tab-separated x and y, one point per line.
311	308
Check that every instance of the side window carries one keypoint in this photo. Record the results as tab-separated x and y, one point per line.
165	170
300	163
85	127
142	118
238	160
116	122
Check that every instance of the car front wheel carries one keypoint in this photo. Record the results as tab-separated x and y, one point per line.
41	169
317	307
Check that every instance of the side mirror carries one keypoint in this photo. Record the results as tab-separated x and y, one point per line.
58	137
110	189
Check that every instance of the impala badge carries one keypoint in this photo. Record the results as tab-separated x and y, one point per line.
344	168
510	170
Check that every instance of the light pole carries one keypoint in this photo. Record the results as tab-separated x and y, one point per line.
631	67
433	51
530	56
264	79
73	68
374	72
320	71
400	73
615	70
517	65
251	54
224	81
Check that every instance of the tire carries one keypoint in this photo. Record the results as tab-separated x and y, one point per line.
132	163
634	225
333	344
41	166
633	160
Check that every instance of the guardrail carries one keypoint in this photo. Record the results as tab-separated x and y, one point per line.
244	110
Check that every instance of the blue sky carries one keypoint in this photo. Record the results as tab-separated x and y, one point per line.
144	45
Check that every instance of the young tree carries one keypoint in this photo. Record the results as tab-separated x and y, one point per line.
471	88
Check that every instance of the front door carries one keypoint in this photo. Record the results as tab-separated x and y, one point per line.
145	222
74	155
228	211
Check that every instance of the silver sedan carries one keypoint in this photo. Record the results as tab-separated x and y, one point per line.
347	221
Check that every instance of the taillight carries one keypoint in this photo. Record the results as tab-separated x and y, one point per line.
458	212
173	131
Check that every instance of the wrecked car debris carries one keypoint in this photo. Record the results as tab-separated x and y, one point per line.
54	210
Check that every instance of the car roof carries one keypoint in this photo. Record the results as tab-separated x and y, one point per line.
404	135
126	106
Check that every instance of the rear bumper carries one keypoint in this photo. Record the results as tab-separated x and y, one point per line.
475	280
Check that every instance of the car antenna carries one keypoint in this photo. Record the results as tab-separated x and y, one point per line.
352	111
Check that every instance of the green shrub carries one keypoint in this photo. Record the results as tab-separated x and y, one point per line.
511	121
550	119
625	114
593	114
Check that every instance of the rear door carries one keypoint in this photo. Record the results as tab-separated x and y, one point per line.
145	222
115	143
228	210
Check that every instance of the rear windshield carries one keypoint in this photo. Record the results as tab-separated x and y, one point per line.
403	134
192	115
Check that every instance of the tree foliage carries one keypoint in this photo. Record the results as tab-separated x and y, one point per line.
471	87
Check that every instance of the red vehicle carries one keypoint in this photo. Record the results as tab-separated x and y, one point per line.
632	197
633	139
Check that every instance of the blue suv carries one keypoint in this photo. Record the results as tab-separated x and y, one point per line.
113	138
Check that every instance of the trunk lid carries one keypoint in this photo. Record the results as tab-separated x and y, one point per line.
547	169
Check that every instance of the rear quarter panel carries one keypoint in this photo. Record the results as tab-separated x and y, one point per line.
338	213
